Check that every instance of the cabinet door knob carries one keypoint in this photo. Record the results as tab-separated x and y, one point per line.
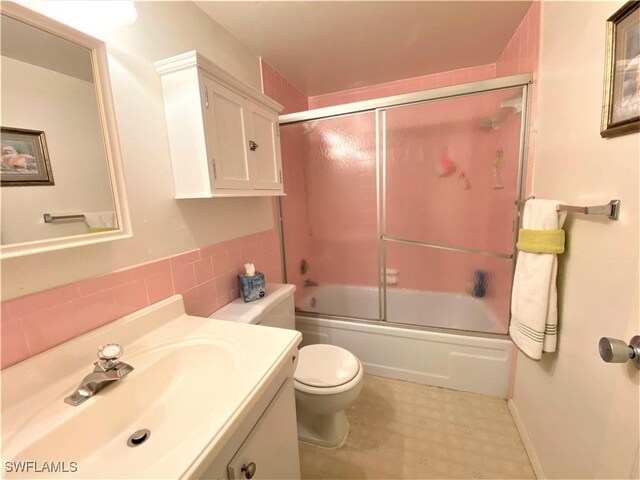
249	470
253	146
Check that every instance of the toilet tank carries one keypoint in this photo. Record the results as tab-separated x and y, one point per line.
276	309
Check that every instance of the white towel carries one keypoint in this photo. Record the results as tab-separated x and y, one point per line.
101	220
534	301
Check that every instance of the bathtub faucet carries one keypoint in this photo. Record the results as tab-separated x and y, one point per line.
310	283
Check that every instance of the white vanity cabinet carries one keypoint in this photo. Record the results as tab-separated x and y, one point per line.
265	444
223	134
270	450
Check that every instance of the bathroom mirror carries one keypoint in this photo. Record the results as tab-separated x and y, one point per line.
61	174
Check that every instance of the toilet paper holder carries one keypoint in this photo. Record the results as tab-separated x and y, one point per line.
613	350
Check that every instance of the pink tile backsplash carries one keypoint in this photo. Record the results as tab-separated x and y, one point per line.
105	282
206	278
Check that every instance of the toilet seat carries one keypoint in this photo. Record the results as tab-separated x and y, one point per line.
325	367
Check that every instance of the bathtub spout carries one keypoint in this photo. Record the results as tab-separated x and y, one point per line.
310	283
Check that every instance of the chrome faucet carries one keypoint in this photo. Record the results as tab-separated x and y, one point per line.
107	369
309	283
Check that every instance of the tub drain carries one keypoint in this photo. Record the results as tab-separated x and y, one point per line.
138	437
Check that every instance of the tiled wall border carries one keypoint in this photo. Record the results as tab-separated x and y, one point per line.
205	277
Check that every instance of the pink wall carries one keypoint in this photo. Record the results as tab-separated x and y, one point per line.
522	52
426	206
282	91
206	278
295	208
340	177
294	205
521	55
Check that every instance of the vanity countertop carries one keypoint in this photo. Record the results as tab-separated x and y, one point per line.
194	381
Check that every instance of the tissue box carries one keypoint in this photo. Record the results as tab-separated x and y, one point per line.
252	287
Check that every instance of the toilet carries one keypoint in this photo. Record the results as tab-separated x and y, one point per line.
327	378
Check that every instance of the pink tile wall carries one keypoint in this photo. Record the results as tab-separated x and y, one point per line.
294	206
282	91
521	55
425	206
408	85
206	278
422	205
340	177
297	231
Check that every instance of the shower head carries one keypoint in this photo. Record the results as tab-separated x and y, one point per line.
513	102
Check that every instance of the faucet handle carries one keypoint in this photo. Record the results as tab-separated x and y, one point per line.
109	354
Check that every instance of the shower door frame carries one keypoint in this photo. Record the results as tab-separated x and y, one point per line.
379	107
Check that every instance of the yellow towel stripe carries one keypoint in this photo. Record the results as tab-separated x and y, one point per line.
541	241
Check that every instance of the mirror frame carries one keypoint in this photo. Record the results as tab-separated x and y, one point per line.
108	126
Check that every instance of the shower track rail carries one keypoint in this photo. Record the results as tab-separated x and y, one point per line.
485	253
442	93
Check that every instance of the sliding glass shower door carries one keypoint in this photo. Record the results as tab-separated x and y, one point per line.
406	213
452	176
330	215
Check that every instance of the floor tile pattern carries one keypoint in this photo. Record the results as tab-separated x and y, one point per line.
408	430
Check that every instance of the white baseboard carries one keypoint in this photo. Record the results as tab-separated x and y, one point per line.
528	446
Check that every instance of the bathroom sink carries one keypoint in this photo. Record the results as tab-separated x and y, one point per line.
185	392
167	396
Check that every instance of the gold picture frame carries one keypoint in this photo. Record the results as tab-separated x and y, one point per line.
621	99
25	158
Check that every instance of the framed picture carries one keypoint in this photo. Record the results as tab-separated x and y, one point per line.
25	159
621	102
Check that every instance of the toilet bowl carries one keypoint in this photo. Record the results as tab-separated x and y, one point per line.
327	378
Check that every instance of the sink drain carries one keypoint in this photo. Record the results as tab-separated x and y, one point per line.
138	437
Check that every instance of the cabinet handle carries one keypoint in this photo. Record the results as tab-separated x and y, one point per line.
206	97
280	175
249	470
253	146
215	170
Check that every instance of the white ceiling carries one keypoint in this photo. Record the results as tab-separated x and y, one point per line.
29	44
326	46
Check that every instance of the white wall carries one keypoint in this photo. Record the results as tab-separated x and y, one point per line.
65	108
580	413
161	225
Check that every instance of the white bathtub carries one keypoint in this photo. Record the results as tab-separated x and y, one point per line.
410	307
466	362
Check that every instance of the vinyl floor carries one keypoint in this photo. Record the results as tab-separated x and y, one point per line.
408	430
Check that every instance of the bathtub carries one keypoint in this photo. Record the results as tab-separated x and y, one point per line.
405	347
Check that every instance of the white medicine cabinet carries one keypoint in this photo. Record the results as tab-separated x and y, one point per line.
223	133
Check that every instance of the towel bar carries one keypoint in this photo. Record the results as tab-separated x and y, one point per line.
611	209
49	218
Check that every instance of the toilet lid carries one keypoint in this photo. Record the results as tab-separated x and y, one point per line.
325	366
